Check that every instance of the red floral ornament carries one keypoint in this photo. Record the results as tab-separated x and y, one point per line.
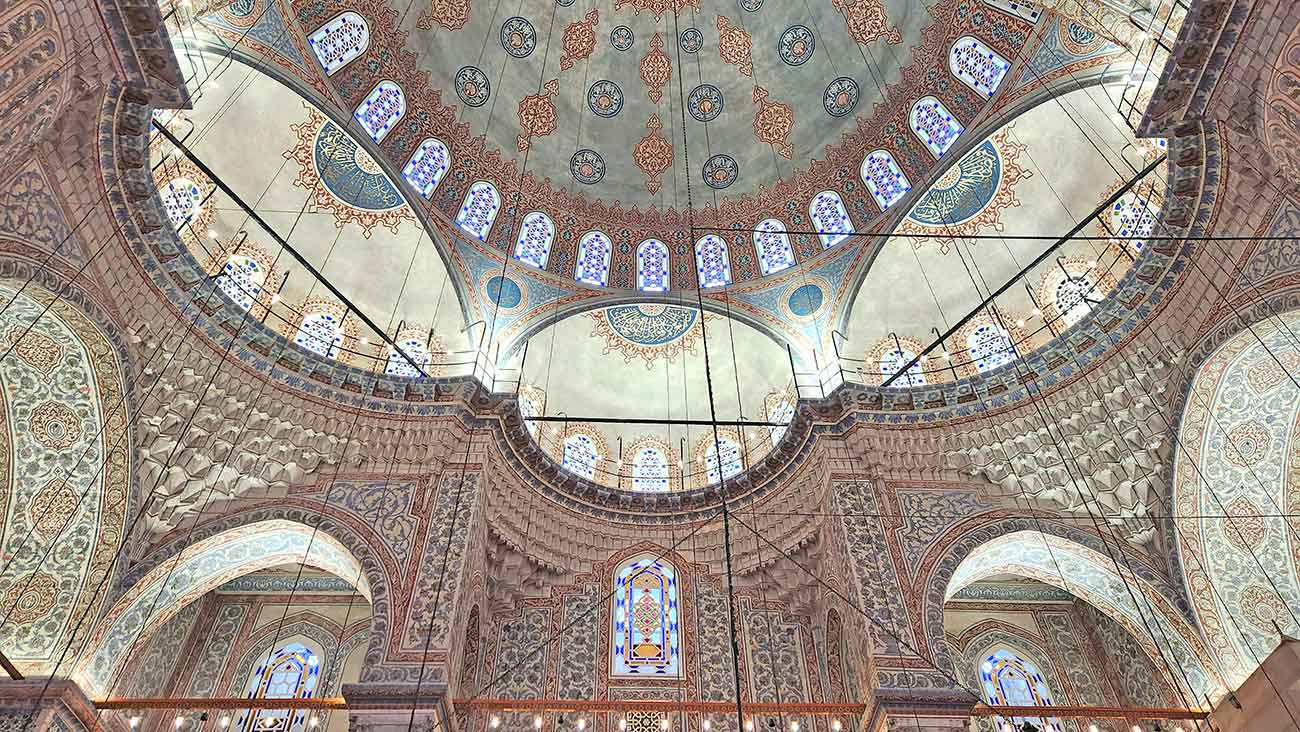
867	21
656	69
659	7
450	14
773	123
537	114
735	46
579	40
653	154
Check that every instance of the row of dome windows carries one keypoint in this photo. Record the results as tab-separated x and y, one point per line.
346	37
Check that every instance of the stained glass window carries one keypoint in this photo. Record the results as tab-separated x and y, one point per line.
290	672
646	638
593	259
977	65
731	463
1072	294
535	236
1010	680
425	169
181	198
783	413
419	353
480	209
830	218
339	41
773	247
1133	219
529	408
242	279
380	110
934	125
320	333
894	360
883	177
711	261
989	347
652	266
580	455
650	470
1027	11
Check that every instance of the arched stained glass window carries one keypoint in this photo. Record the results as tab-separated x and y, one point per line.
242	279
730	462
480	209
535	236
529	408
650	470
580	455
883	177
652	266
935	127
989	347
773	247
419	353
1133	219
181	199
783	412
830	218
1073	295
321	333
977	65
1010	680
340	41
290	672
1026	11
594	252
425	169
646	634
711	261
380	110
894	360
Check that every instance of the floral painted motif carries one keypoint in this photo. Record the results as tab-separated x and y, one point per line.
867	21
658	7
773	123
450	14
579	40
653	154
656	69
537	115
735	46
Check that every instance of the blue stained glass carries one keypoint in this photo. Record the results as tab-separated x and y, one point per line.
830	218
381	109
650	470
895	360
320	333
580	456
711	261
1010	680
535	236
479	211
291	672
339	41
977	65
883	177
646	637
242	279
1026	11
593	259
773	247
652	266
934	126
425	169
731	462
1133	219
783	413
181	200
990	347
419	353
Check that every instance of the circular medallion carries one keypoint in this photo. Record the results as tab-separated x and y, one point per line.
805	301
963	191
349	173
622	38
1076	38
565	3
518	37
720	171
587	167
796	45
705	102
31	597
691	40
651	325
472	86
841	97
605	98
55	425
749	6
504	291
241	8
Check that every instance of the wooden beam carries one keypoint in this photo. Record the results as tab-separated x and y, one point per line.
1130	713
232	702
10	668
657	705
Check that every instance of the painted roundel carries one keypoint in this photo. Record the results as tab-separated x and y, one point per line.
749	6
472	86
705	102
518	37
841	97
720	171
565	3
806	300
692	40
587	167
504	292
622	38
605	98
796	45
963	191
350	174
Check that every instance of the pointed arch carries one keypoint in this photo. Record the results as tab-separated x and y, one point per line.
583	452
989	346
1007	678
182	200
830	218
427	166
712	264
320	331
645	618
422	348
379	112
1133	219
479	210
536	233
884	179
773	247
340	41
291	671
594	252
242	279
934	125
650	467
652	266
977	66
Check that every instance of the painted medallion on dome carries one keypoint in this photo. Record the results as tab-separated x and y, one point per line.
658	7
537	114
773	123
450	14
579	40
653	154
735	46
656	69
867	21
647	332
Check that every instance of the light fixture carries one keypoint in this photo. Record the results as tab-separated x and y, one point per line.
1137	728
537	722
212	233
225	722
1036	312
135	722
1020	323
924	358
1093	728
835	725
749	725
495	721
313	722
794	725
179	722
365	341
708	725
1092	264
275	298
582	723
622	724
663	724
